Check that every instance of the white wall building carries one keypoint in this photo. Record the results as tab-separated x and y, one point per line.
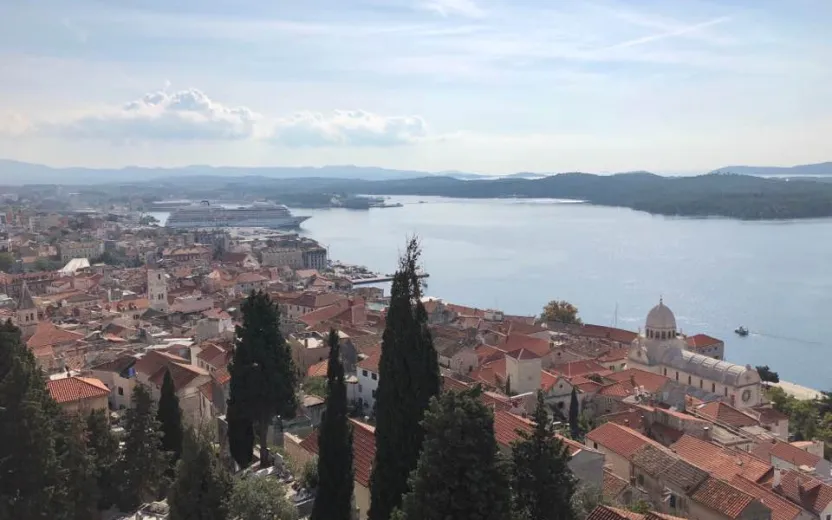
157	289
367	373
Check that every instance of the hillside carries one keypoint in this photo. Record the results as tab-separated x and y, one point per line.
808	170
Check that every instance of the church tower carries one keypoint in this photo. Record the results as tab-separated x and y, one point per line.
157	289
27	313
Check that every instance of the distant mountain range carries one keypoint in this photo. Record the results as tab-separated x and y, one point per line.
16	173
805	170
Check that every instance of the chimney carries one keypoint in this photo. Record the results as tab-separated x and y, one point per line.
777	478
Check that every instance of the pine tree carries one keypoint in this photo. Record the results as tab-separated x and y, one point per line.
335	471
263	376
574	414
170	418
28	461
408	379
79	490
103	448
142	463
202	486
461	474
542	482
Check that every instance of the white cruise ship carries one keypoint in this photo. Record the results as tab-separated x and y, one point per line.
259	214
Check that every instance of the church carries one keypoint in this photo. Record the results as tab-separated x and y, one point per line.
662	350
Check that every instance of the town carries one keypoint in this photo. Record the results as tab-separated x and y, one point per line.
655	423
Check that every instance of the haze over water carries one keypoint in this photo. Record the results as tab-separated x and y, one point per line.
715	274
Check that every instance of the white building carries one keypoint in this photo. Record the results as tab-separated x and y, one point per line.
367	373
157	289
661	350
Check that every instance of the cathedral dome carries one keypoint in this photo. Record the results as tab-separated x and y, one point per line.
661	323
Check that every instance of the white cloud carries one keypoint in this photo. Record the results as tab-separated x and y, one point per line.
348	128
183	115
455	7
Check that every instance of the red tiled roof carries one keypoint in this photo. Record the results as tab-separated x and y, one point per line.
221	376
490	373
48	334
769	415
250	278
613	486
650	381
633	418
465	311
316	300
611	333
520	341
76	388
451	384
809	493
701	341
324	313
620	439
580	368
371	362
363	450
720	462
213	354
318	369
619	389
182	373
522	353
722	497
616	354
506	425
613	513
781	509
718	411
786	452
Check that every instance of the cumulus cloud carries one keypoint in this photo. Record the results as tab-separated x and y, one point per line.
348	128
183	115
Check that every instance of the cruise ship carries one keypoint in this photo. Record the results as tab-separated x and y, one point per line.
259	214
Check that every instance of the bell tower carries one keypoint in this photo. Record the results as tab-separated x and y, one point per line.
27	313
157	289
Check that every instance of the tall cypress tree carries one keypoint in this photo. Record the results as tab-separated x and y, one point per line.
80	493
574	412
143	463
103	448
542	482
335	471
202	486
408	379
28	461
461	474
170	419
263	376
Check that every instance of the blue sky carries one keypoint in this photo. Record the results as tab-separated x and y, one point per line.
490	86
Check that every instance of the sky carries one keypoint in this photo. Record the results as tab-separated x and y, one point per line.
487	86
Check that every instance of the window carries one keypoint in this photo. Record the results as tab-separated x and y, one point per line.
700	383
673	501
665	371
713	387
364	373
375	376
640	479
688	379
595	445
159	276
374	394
359	387
120	391
726	391
677	375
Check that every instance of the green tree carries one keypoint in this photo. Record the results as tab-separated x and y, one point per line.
560	311
542	482
103	448
202	486
574	413
28	461
408	379
6	262
315	386
240	437
640	506
263	375
169	416
460	474
767	375
142	463
256	498
335	471
80	492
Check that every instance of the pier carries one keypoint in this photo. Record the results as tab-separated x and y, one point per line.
379	279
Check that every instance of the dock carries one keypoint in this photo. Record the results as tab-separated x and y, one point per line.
379	279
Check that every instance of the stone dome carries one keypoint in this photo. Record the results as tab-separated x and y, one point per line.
660	322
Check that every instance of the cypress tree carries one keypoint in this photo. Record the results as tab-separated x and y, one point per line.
335	471
80	493
263	376
542	481
408	379
170	419
240	437
28	461
461	474
142	463
202	486
103	448
574	413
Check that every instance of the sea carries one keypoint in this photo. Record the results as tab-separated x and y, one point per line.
614	264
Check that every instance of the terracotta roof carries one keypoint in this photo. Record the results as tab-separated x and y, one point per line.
612	513
786	452
600	331
632	418
811	494
720	462
371	362
451	384
613	486
685	475
721	412
250	278
522	353
318	369
781	509
620	439
182	373
465	311
619	389
214	355
316	300
76	388
701	341
363	450
616	354
652	460
491	373
529	343
324	313
48	334
580	368
769	415
207	389
506	425
216	314
722	497
221	376
650	381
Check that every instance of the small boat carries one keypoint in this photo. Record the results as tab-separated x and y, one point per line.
741	331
